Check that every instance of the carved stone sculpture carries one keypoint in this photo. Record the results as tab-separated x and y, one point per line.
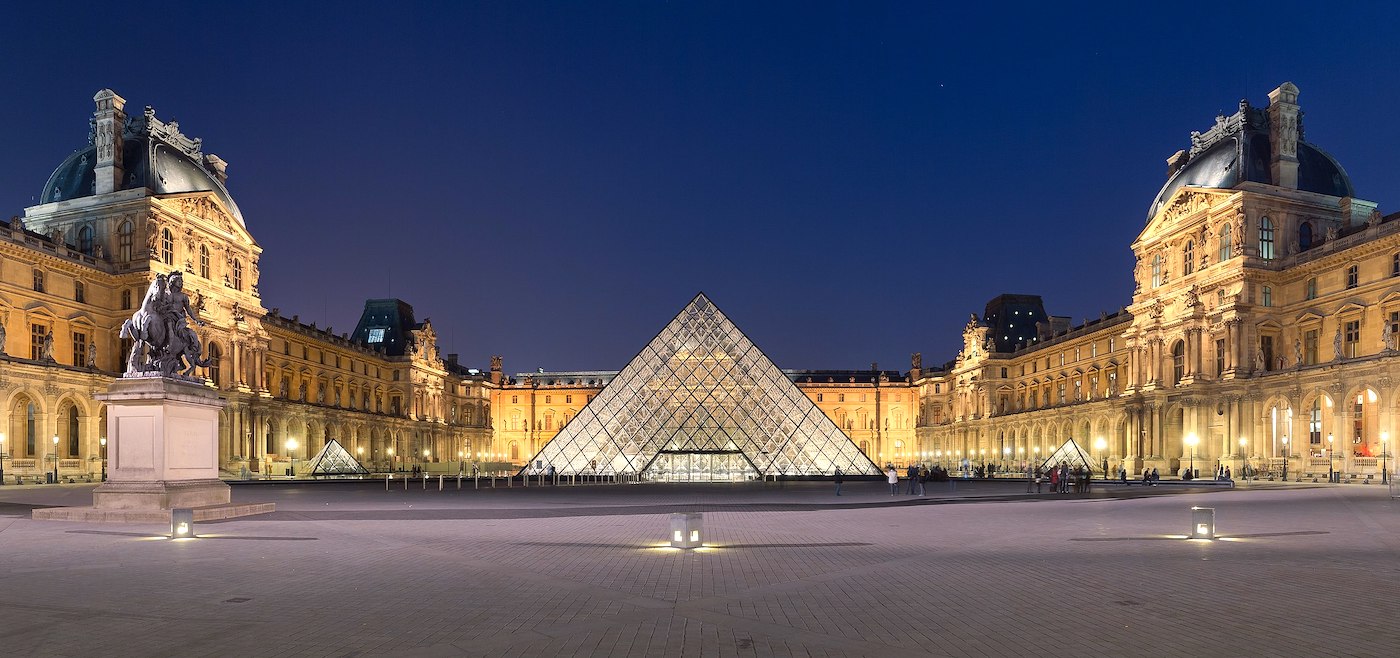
1337	345
92	354
163	341
46	347
1297	352
2	338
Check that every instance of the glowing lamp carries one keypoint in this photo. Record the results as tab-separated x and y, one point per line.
182	523
687	529
1203	523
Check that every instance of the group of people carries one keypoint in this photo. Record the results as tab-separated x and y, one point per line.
917	475
1061	478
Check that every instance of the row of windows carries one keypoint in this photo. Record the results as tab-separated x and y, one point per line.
167	256
1064	356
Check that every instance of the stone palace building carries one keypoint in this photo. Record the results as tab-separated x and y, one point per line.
1262	328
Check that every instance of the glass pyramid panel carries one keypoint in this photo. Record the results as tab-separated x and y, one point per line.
334	459
700	398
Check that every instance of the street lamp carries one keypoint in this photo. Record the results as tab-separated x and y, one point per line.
1191	440
55	459
292	445
1100	445
1385	473
3	455
102	442
390	452
1244	457
1330	472
1285	458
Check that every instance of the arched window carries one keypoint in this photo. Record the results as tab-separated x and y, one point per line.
1225	246
1188	258
1178	362
85	240
204	261
124	233
167	246
1266	238
237	275
1305	236
1156	271
24	428
214	367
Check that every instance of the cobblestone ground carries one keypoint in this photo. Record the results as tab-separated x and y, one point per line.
344	570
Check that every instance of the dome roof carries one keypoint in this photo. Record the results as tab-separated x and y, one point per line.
149	161
1238	149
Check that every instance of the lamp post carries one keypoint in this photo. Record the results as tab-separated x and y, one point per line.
1100	445
390	452
55	459
1244	457
1385	472
3	455
1191	440
1331	473
292	445
425	462
1285	458
102	442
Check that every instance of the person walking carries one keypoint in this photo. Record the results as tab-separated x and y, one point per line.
838	478
1030	477
1054	479
893	476
913	474
923	480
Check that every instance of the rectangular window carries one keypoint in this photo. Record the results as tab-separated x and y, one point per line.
36	340
1266	345
568	399
548	399
79	292
1315	423
80	350
1219	357
1352	277
1310	347
840	397
1061	392
38	281
1110	344
1394	321
515	399
1268	296
819	397
1351	339
1003	373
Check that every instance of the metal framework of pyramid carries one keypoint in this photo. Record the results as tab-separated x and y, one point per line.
700	399
334	459
1070	453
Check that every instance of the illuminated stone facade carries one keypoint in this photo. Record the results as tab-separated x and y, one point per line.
1263	327
140	199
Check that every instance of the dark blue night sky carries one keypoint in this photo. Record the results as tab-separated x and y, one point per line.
553	182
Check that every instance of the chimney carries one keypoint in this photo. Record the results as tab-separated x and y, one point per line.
217	166
1283	135
110	121
452	359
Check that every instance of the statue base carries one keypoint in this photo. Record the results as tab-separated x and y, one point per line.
163	452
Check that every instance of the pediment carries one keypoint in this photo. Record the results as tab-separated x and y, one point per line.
1185	204
1350	307
1308	316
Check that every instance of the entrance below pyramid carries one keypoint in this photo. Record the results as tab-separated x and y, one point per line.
702	466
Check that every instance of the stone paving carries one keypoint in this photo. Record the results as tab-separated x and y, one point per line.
353	570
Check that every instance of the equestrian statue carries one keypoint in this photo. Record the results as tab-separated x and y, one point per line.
163	341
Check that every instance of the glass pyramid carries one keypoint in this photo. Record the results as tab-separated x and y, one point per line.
1070	453
334	459
701	402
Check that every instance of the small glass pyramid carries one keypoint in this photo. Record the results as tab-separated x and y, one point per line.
334	459
701	403
1071	454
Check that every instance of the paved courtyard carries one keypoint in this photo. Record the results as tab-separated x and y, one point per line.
353	570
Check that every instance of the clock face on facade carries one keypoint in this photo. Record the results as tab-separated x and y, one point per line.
376	335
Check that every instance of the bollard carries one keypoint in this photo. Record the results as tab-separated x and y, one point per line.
405	482
459	481
1203	523
477	481
387	477
525	479
493	482
439	481
510	481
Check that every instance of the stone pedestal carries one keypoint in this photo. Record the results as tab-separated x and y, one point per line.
162	453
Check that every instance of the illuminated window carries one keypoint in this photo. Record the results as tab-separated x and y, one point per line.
1266	238
124	233
167	247
1225	246
1351	338
237	274
1156	271
1315	422
204	261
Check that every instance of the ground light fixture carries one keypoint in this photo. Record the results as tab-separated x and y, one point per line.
182	523
687	530
1203	523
